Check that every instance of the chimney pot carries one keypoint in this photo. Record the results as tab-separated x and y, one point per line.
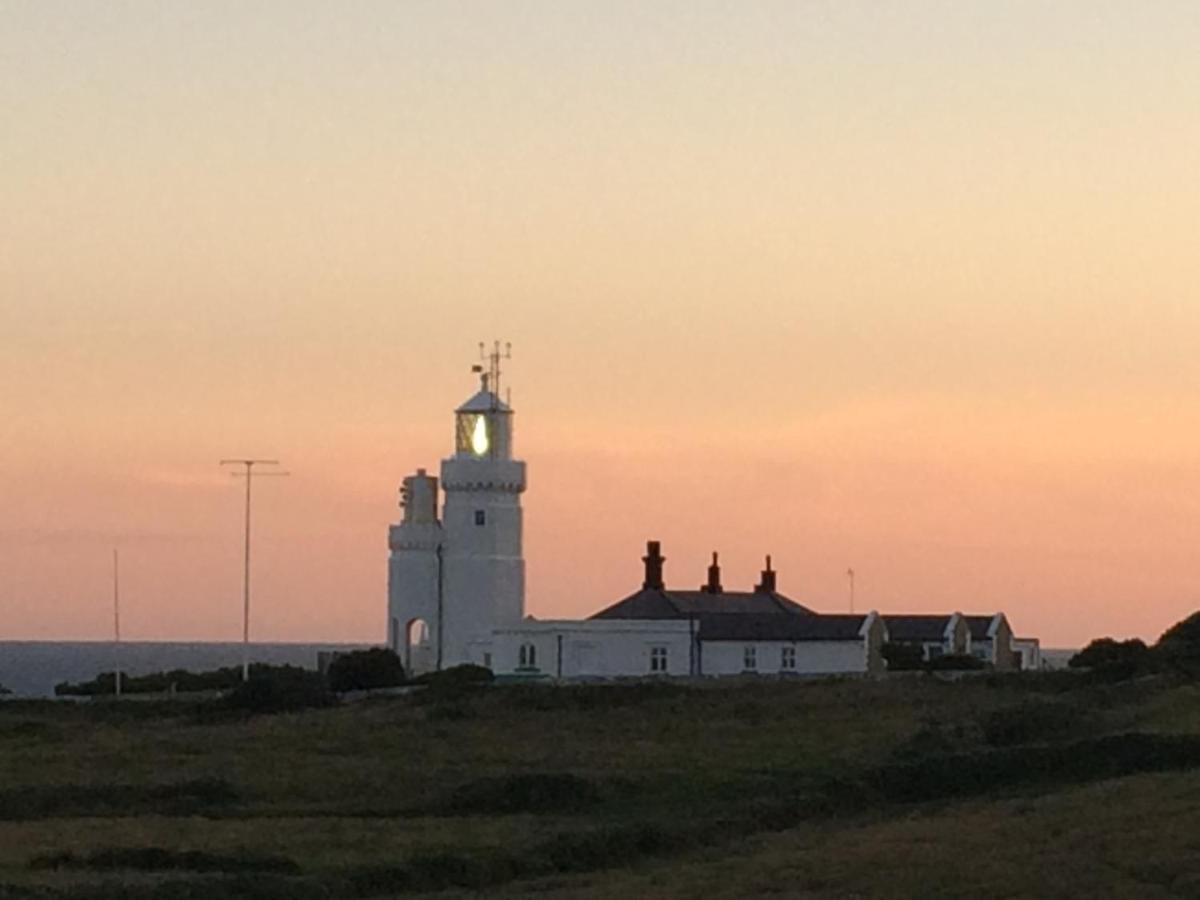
767	584
654	566
714	577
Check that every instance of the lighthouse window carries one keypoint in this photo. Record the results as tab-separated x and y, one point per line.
480	517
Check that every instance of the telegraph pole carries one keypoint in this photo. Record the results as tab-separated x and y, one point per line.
116	624
850	575
249	476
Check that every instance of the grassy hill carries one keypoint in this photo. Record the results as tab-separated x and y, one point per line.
990	786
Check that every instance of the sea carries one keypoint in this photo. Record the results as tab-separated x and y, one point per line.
33	668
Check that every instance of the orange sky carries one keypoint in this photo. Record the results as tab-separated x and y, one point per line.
909	288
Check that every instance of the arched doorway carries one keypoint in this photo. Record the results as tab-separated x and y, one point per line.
418	647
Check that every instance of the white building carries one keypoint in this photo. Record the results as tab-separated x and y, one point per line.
456	592
454	579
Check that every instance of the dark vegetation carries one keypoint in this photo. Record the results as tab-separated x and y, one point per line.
1176	652
362	670
467	785
358	670
902	657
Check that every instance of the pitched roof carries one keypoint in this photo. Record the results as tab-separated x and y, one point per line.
752	627
650	603
981	626
917	628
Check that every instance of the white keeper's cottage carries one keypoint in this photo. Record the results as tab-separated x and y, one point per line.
456	591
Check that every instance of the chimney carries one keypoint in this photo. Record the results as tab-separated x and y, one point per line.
767	584
654	567
714	578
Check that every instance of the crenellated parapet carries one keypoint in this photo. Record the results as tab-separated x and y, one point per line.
506	475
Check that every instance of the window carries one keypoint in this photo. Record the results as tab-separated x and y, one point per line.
980	652
935	650
750	658
787	659
527	658
480	517
658	659
487	660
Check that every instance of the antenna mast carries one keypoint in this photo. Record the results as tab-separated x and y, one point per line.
116	624
491	381
249	476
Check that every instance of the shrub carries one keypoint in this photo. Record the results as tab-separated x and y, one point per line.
457	675
1033	722
280	689
558	792
967	774
903	657
364	669
1114	659
1179	647
159	859
955	662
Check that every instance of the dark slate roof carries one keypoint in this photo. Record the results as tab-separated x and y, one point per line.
916	628
768	627
979	626
650	603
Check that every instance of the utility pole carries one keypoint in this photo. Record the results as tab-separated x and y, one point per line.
116	624
850	575
249	476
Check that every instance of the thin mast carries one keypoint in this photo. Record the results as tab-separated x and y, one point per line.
116	623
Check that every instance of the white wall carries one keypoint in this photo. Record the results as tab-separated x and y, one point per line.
594	647
812	657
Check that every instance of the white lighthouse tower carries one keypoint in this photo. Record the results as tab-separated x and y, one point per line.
452	581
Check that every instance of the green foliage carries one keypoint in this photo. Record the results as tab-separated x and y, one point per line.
156	683
984	772
592	697
903	657
466	674
1179	647
362	670
911	658
1034	721
1115	660
161	859
955	662
109	799
535	792
273	689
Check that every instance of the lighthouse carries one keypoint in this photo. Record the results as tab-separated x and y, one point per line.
458	573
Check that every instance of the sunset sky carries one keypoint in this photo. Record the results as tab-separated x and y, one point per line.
910	287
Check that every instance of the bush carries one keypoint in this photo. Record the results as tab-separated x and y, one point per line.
1034	722
982	772
903	657
955	662
544	792
455	676
1114	659
365	669
156	682
1179	647
280	689
159	859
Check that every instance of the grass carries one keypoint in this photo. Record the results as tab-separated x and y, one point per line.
586	789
